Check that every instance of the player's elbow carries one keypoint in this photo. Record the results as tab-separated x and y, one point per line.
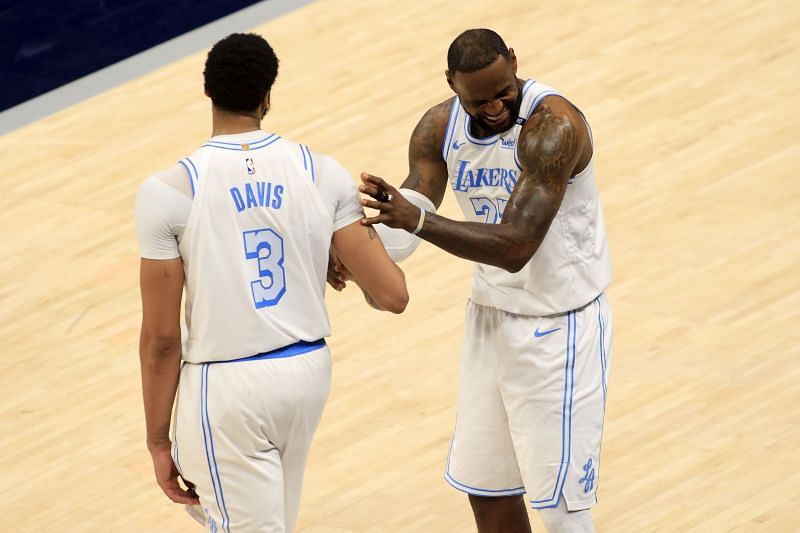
398	303
394	300
514	266
159	344
392	295
516	257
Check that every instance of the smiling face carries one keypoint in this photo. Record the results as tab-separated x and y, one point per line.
489	95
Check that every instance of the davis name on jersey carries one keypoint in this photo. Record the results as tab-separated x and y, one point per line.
258	194
255	249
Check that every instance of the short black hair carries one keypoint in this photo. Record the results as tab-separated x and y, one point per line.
475	49
239	71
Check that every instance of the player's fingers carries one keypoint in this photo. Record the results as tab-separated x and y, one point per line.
373	204
366	177
192	495
375	181
337	284
175	493
368	188
371	221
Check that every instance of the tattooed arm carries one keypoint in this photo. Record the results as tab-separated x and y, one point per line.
551	145
427	170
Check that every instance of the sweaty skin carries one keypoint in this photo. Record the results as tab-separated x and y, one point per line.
553	145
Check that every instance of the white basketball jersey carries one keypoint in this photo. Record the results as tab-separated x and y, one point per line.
255	250
572	265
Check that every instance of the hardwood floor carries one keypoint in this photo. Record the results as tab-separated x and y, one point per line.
694	109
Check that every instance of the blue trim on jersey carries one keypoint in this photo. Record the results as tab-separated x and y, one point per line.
216	482
310	165
476	491
525	86
451	126
189	174
531	109
602	349
252	146
194	169
203	421
313	166
537	101
226	519
175	438
517	491
488	141
175	449
303	152
210	142
298	348
566	417
239	143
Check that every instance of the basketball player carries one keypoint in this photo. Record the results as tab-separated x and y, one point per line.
537	340
245	224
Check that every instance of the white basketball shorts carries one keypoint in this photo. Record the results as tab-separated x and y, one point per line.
531	404
242	433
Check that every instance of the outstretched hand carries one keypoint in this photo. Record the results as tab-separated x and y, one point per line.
395	210
167	478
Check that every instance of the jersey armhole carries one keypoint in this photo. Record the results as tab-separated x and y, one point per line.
451	127
191	172
308	162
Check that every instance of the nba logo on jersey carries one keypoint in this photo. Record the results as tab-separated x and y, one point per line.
251	167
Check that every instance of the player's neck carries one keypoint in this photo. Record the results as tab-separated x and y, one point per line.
227	123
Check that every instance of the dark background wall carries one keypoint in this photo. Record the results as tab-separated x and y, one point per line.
47	43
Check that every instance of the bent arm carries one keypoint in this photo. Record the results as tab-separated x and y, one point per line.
426	181
363	255
161	283
549	148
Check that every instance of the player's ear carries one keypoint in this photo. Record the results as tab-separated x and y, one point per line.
512	59
264	107
449	78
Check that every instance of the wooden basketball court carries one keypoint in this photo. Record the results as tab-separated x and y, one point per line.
695	112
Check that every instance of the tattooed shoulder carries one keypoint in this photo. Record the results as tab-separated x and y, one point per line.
371	232
426	140
548	146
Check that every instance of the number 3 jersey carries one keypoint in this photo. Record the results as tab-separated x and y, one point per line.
254	240
572	265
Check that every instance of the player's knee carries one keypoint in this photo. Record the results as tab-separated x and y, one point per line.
505	514
560	520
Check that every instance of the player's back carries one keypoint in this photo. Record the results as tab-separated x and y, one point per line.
255	248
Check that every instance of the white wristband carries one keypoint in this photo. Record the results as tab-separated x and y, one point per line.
421	221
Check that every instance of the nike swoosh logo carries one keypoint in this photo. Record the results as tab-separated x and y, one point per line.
538	333
456	146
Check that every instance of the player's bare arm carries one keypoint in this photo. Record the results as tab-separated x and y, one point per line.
427	173
550	147
365	259
161	283
427	169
